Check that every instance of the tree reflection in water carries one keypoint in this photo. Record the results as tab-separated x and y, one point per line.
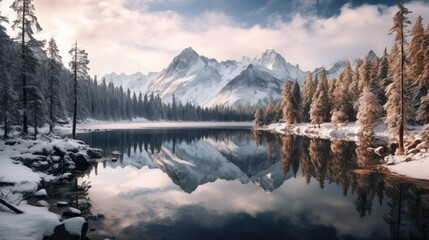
328	162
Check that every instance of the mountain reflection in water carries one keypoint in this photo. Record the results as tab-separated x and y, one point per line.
213	184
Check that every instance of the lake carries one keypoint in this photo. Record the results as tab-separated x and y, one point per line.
228	183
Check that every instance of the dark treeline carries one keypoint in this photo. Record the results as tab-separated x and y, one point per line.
106	102
37	89
151	141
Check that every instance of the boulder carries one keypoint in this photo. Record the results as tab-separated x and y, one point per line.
72	212
70	229
79	158
62	204
41	193
93	153
42	203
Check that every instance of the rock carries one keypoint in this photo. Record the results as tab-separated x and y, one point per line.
41	193
390	163
408	159
423	145
72	212
413	144
59	152
96	216
114	159
79	158
66	176
94	153
11	142
379	151
70	229
42	203
62	204
412	151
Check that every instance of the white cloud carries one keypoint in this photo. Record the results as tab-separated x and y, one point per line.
123	40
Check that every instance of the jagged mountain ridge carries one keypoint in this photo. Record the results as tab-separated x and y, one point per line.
207	82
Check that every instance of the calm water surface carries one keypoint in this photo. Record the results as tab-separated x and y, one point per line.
231	184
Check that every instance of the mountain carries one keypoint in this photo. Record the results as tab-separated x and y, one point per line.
194	78
137	82
207	82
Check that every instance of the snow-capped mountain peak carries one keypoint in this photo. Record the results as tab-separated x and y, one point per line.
207	82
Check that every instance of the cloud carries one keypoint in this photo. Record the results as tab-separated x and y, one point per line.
128	39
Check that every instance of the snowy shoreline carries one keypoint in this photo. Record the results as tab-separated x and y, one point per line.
27	167
413	164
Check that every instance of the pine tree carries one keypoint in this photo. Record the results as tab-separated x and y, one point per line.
343	109
382	77
365	75
320	109
297	100
287	104
423	110
54	68
354	86
8	95
421	88
369	111
400	22
270	111
258	118
27	24
79	66
425	134
415	57
308	93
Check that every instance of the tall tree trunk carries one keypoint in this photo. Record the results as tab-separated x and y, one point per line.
75	92
401	126
35	123
24	78
5	122
51	115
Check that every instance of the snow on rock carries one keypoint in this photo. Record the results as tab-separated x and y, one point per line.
41	193
33	224
74	225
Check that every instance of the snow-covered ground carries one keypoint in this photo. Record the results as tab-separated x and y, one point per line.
18	181
415	165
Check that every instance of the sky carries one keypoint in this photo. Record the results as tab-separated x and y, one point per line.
145	35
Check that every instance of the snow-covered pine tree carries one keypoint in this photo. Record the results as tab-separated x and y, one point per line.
320	109
423	110
382	78
270	111
307	92
425	134
79	66
400	22
38	105
332	85
8	95
365	73
297	100
415	66
343	109
259	121
421	88
354	86
287	103
27	24
54	70
369	111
